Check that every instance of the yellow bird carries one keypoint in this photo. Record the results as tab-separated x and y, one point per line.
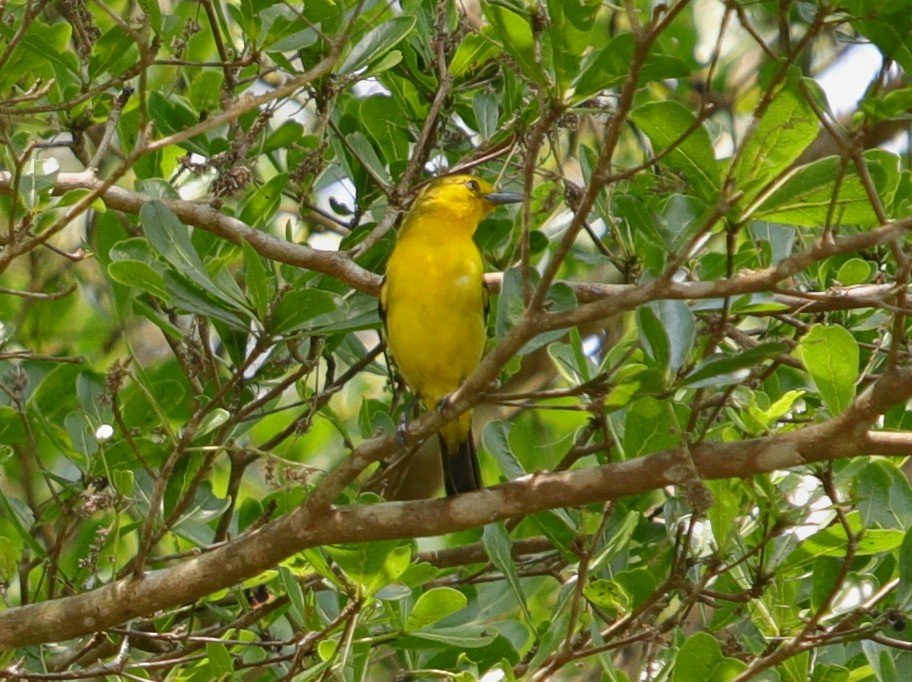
433	306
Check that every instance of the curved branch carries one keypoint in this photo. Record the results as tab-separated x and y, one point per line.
203	216
607	300
603	299
249	555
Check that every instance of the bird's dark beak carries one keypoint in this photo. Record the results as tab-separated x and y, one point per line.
504	197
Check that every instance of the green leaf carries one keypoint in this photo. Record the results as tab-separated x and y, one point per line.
433	605
638	583
883	495
21	519
608	596
574	366
882	661
37	181
140	275
147	403
855	271
650	427
55	396
700	660
681	218
113	53
260	282
220	662
837	673
376	43
484	106
890	30
830	354
373	565
364	154
668	332
560	297
882	9
287	36
259	208
157	188
904	589
551	634
194	300
124	482
171	114
463	636
765	417
780	238
12	428
515	34
883	106
385	63
824	576
74	196
50	45
474	50
496	439
832	542
561	527
374	418
763	302
286	135
720	369
499	547
669	123
510	304
382	121
10	556
784	130
568	30
171	238
608	67
653	337
625	384
294	593
697	659
81	433
727	496
808	199
134	248
214	419
679	324
297	308
157	319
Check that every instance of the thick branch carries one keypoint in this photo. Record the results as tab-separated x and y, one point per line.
116	603
607	299
203	216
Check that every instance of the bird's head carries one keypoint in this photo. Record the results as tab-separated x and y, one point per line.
462	197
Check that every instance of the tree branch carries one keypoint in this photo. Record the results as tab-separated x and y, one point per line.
607	299
844	436
203	216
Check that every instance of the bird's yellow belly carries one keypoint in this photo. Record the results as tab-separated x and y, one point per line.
435	319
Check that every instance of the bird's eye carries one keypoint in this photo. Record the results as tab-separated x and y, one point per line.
473	185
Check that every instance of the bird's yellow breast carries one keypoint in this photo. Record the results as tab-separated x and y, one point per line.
434	299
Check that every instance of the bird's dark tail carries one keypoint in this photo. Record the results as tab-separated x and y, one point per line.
461	473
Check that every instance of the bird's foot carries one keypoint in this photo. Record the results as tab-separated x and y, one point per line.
444	402
402	430
402	424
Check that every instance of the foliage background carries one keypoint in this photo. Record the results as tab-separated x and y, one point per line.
700	327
